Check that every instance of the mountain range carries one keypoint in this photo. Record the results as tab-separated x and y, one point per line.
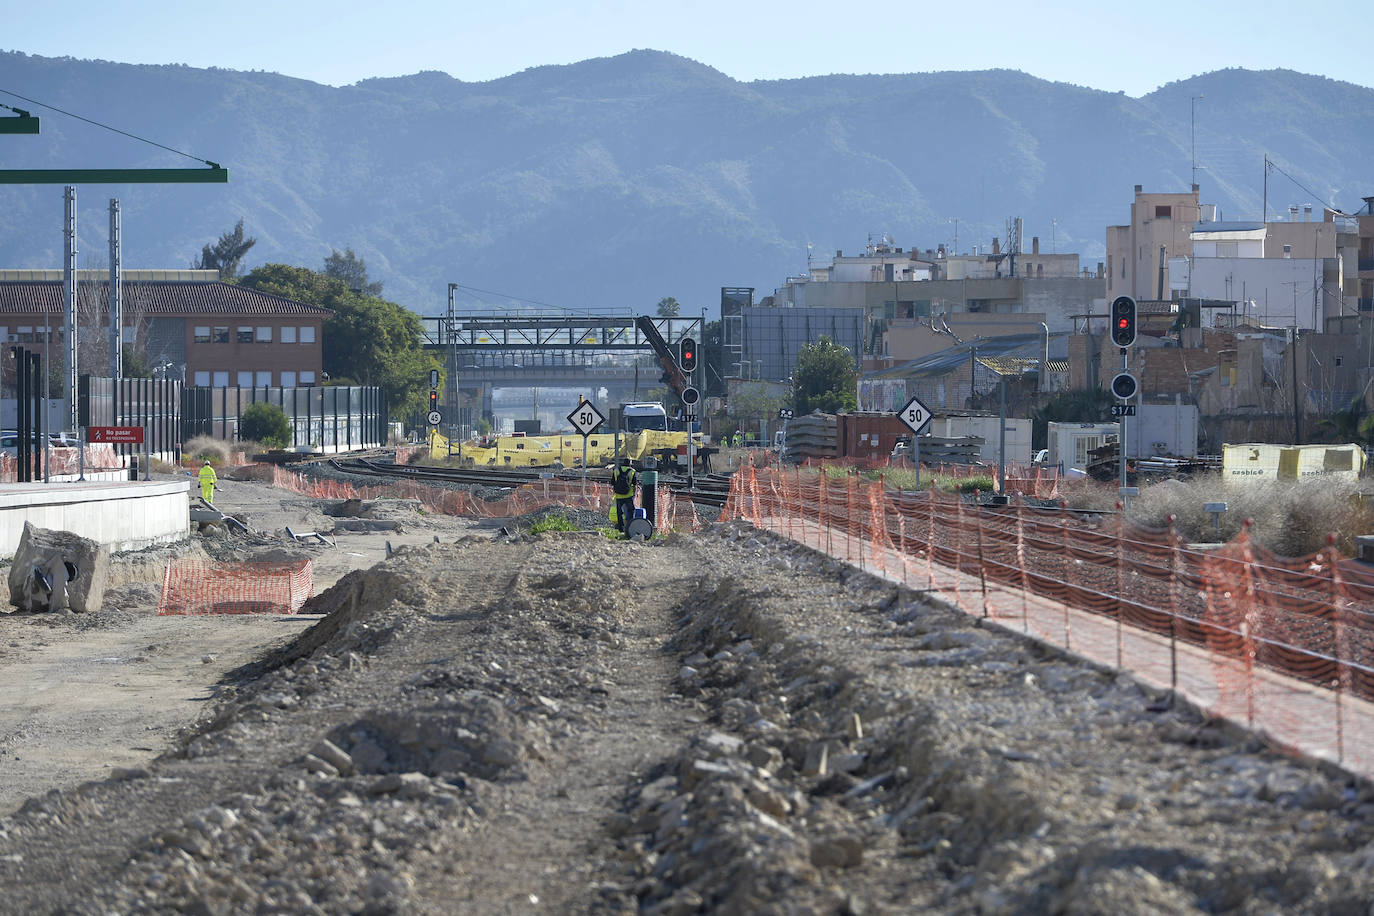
609	184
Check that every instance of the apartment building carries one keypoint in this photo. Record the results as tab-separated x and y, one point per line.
1139	253
187	323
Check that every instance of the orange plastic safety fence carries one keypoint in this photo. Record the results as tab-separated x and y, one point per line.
207	587
1258	616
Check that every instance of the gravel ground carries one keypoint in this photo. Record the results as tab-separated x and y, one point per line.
722	723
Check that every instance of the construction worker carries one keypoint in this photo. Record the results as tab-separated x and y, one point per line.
623	486
208	482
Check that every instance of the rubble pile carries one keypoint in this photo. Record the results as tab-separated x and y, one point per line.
722	723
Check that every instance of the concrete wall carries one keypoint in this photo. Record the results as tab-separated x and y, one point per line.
1280	288
126	516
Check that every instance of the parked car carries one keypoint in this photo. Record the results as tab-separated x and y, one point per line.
9	442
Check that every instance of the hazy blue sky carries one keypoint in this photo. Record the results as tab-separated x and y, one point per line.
1099	44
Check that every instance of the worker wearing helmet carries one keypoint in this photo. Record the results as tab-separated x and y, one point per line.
623	486
208	481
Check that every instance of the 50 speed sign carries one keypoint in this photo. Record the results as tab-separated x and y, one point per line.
915	415
585	418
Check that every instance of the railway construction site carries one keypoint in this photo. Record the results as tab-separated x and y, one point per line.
825	700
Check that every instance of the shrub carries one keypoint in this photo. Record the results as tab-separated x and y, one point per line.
200	448
266	423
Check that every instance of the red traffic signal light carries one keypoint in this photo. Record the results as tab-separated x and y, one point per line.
433	399
687	355
1123	321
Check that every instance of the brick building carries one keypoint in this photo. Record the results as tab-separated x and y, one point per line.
187	323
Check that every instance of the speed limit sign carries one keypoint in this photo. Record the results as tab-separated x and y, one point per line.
434	418
915	415
585	418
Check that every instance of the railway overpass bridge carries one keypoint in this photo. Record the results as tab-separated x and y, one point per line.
586	353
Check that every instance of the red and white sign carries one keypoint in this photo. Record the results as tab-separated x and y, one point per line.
122	435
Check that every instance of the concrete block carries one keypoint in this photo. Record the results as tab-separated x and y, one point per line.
58	571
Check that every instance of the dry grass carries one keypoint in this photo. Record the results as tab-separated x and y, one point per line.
1290	518
217	450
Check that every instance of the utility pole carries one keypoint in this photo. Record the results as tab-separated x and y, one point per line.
1192	111
452	330
1297	423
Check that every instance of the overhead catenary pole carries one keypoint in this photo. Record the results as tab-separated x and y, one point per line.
116	296
69	293
456	418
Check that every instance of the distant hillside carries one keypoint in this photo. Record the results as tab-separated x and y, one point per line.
611	183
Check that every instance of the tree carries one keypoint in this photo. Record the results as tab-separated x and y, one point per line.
227	254
825	379
1086	405
368	339
751	403
668	307
351	269
265	423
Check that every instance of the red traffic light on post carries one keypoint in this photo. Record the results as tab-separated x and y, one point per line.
1123	320
433	399
687	355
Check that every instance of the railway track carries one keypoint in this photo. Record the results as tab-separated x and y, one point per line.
709	490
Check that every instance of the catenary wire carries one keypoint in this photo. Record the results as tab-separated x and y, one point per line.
108	127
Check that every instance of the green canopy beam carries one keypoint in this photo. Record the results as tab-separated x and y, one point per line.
25	123
212	175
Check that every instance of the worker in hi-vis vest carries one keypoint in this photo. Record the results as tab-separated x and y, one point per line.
208	481
623	489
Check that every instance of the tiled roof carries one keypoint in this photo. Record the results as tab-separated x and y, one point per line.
155	298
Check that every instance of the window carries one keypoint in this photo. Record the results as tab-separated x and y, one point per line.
263	379
1163	213
245	335
288	334
288	379
202	379
264	335
245	380
221	379
307	335
130	334
307	378
201	334
220	335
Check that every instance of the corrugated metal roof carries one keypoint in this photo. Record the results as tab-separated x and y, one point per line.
944	362
1009	365
155	298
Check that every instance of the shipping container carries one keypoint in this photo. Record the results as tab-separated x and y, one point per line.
1070	443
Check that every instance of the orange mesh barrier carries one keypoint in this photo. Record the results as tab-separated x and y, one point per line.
207	587
1284	644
